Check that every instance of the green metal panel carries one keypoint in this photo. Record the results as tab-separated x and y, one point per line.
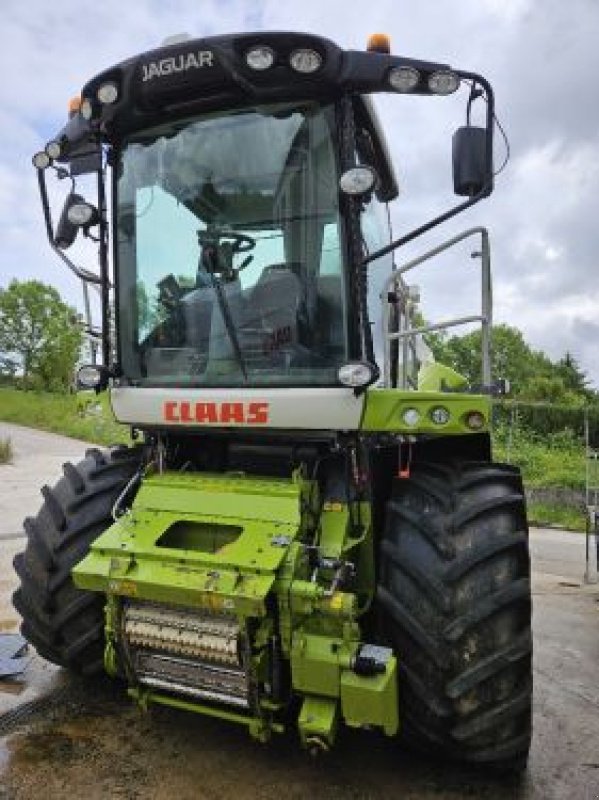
168	548
385	407
222	495
316	662
371	700
321	666
317	722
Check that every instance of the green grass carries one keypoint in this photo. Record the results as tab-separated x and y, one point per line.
5	451
553	461
549	515
83	416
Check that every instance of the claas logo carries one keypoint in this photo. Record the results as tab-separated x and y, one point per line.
216	413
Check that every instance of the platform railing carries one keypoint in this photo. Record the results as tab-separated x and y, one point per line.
396	292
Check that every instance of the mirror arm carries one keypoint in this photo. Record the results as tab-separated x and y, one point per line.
83	274
484	192
413	234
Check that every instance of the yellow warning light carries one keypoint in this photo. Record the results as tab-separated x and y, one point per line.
379	43
74	105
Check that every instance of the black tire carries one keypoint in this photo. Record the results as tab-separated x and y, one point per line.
66	624
454	601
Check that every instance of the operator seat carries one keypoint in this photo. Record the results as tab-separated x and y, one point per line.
275	309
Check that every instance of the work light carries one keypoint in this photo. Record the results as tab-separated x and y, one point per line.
107	93
89	376
260	57
82	214
305	60
357	181
53	149
41	160
443	82
404	79
356	374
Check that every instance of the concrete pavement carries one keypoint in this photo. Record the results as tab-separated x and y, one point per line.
37	459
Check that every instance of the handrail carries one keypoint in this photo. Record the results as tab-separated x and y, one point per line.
406	331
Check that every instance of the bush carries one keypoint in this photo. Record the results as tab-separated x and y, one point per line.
554	458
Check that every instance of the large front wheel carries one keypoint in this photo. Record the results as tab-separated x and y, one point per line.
66	624
454	599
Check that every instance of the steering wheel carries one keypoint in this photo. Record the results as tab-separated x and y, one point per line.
240	242
220	246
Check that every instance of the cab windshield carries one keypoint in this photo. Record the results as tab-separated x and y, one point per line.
229	258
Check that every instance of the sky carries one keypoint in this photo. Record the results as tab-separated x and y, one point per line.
542	59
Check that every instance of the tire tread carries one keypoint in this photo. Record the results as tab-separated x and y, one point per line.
66	624
454	601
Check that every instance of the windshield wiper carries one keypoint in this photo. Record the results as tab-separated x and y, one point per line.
225	310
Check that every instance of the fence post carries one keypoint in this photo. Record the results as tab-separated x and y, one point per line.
591	506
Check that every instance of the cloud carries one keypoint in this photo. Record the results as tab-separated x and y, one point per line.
541	58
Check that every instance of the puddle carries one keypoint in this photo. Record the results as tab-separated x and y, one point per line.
53	746
12	686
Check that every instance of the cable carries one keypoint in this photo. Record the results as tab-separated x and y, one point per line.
507	146
475	93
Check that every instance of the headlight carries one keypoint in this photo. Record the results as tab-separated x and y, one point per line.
443	82
305	60
107	93
356	374
411	416
404	79
260	58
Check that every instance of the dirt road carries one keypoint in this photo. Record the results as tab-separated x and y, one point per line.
61	736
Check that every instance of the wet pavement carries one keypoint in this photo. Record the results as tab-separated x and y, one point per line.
60	735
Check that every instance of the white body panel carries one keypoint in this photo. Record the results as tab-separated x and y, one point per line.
309	409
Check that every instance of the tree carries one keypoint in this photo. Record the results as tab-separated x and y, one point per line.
511	357
40	336
574	378
552	390
532	375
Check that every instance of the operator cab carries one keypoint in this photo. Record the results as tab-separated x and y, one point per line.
242	256
230	265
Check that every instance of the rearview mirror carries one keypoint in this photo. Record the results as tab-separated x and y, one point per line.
470	173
